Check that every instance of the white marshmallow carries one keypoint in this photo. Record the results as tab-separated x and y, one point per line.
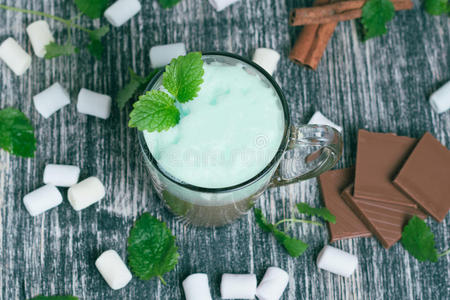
162	55
61	175
51	100
85	193
40	36
94	104
221	4
267	59
273	284
14	56
238	286
196	287
320	119
121	11
337	261
440	99
42	199
113	269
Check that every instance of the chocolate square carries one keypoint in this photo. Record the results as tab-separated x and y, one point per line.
379	157
385	220
348	225
425	177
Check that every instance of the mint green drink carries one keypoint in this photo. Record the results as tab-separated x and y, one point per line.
226	135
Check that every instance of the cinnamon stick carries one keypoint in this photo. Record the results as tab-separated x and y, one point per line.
312	41
336	12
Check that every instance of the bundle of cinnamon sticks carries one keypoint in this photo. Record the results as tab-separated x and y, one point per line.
320	22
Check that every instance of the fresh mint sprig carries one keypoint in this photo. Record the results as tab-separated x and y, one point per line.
375	15
156	110
91	8
152	251
418	240
295	247
16	133
437	7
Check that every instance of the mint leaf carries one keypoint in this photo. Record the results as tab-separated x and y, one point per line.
293	246
92	8
375	15
321	212
437	7
183	76
53	50
40	297
95	46
168	3
154	111
16	133
418	240
135	85
151	248
98	33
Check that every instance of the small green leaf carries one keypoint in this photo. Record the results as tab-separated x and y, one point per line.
294	247
437	7
134	86
98	33
418	240
151	248
183	76
321	212
95	47
154	111
375	15
16	133
92	8
40	297
168	3
53	50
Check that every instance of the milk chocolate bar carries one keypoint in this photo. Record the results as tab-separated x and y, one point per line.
383	219
379	157
425	177
348	225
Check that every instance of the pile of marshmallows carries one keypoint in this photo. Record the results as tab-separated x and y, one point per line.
80	194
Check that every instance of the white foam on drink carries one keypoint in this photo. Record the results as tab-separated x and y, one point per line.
225	136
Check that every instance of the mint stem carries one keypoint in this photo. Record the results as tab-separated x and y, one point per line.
294	220
68	23
444	253
162	280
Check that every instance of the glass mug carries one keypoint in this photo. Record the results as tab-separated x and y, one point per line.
305	152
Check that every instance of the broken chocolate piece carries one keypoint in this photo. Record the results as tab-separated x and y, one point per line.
379	157
385	220
348	225
425	177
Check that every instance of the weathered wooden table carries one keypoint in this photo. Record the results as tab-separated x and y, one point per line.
381	85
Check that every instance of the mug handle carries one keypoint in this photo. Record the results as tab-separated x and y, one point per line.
329	150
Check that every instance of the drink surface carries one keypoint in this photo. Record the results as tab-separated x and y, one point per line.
227	135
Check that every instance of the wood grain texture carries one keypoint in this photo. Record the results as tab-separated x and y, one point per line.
381	85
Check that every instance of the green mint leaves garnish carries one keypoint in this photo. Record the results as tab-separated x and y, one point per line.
95	46
437	7
321	212
16	133
156	110
183	76
295	247
136	85
92	8
168	3
375	15
40	297
151	248
418	240
54	50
